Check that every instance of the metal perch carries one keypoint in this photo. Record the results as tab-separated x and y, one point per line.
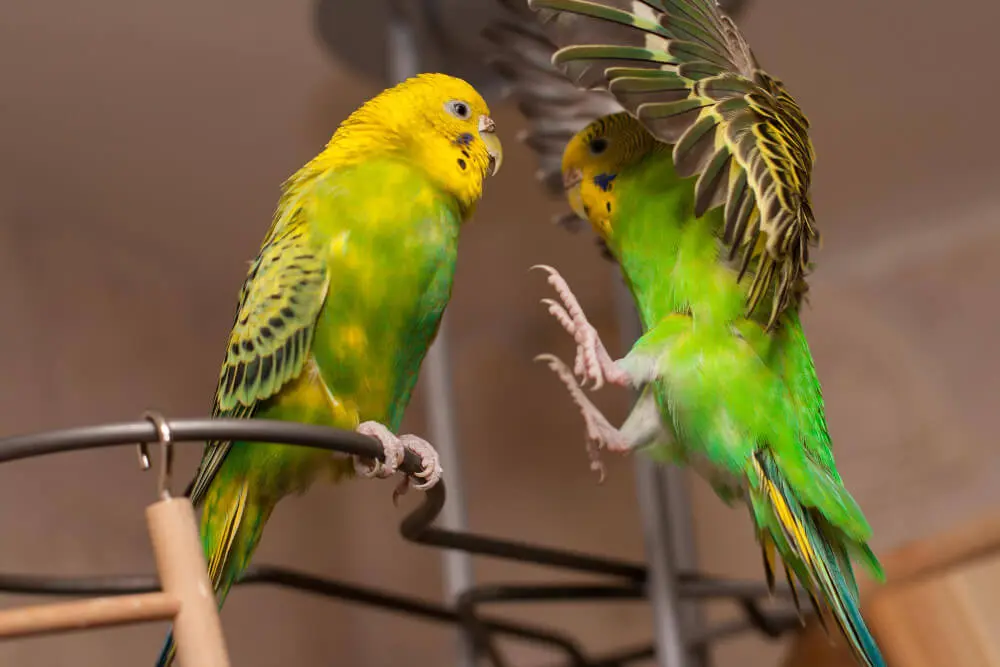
628	580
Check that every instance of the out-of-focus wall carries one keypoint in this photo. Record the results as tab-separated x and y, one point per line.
142	147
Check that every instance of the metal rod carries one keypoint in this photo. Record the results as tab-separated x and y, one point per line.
417	527
404	62
662	585
675	496
658	534
472	600
457	564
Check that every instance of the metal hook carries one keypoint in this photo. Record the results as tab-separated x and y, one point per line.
166	445
143	456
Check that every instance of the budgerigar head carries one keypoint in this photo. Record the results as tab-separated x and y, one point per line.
593	159
440	123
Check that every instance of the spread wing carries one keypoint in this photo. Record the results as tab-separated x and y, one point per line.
554	107
684	70
272	334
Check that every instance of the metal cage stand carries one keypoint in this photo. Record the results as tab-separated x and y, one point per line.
625	580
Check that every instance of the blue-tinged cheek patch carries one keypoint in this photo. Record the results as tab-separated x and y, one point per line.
603	181
464	139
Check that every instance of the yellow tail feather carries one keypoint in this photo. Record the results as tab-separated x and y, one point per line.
799	534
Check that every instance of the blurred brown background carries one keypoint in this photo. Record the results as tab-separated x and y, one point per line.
142	148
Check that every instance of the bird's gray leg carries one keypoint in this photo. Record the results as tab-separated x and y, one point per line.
644	426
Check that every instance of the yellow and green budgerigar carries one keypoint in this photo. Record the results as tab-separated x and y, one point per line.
698	186
342	303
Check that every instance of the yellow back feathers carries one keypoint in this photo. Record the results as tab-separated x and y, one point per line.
437	122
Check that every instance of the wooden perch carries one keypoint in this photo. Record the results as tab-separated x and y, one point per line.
187	597
82	614
183	573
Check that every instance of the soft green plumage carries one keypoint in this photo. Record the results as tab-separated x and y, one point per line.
737	400
357	323
342	302
702	181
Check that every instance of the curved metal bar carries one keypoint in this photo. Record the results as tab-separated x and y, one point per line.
628	656
192	430
63	586
416	527
279	576
494	593
265	574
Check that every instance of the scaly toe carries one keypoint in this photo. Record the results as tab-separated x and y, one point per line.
392	448
429	461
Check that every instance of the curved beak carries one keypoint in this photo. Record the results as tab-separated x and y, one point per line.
487	132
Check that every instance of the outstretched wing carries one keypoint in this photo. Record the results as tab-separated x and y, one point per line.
684	70
272	334
553	106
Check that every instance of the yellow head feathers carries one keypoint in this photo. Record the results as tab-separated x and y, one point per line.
436	121
592	160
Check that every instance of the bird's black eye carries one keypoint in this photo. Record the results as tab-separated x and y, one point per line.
458	109
598	145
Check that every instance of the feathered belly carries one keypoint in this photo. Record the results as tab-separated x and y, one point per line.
729	487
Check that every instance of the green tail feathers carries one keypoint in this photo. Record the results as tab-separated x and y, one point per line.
816	551
168	652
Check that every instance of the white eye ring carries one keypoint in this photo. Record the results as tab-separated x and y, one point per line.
459	109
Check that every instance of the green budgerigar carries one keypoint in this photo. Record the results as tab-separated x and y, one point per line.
699	188
342	303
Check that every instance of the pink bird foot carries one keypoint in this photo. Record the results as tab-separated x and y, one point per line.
395	448
391	446
600	432
593	362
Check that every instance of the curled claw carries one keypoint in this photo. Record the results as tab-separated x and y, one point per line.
392	448
395	448
544	267
430	466
429	459
597	465
565	293
367	468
